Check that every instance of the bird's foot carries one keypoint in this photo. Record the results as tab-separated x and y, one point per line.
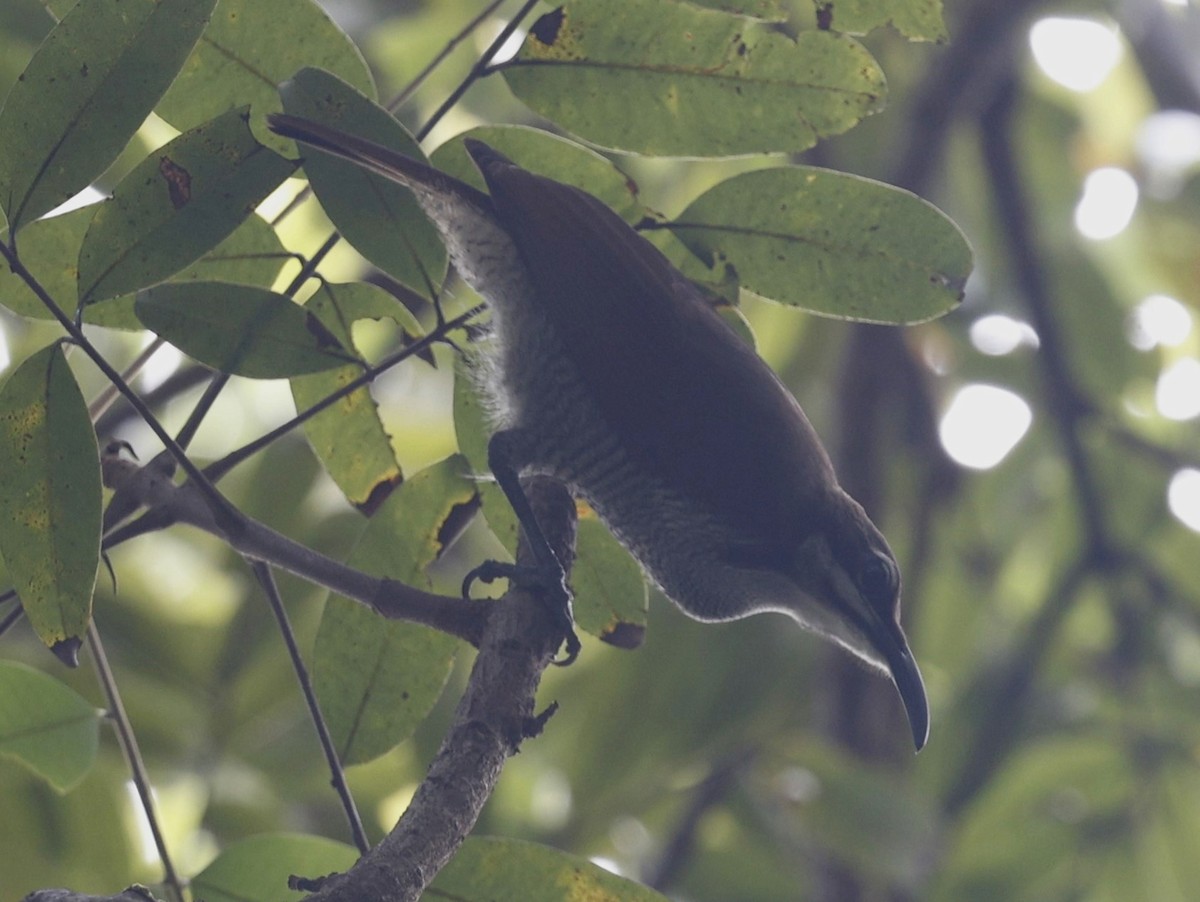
548	583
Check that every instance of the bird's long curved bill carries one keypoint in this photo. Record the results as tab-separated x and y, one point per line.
384	161
907	677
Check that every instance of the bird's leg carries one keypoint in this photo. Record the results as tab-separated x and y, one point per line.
549	576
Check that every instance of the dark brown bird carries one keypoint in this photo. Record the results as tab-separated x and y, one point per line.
613	374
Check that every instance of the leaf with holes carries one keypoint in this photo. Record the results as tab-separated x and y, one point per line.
177	205
917	20
610	592
86	91
666	77
349	437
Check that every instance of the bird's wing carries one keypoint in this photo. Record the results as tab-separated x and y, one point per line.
688	397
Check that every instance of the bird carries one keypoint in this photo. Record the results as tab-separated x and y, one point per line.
610	371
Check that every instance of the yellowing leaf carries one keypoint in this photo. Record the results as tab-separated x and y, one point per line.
49	495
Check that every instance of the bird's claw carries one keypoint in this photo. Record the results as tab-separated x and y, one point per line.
487	572
549	584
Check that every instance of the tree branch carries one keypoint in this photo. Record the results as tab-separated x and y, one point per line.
494	716
133	894
1005	691
1066	401
722	778
168	504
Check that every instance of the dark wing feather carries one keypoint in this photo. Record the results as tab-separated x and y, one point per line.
689	399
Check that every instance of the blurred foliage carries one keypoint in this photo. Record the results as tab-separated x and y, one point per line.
1052	600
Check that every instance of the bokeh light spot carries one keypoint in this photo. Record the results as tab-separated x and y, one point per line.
1110	196
1077	53
997	335
983	424
1177	394
1159	320
1183	497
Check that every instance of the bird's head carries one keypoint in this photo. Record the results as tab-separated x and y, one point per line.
850	593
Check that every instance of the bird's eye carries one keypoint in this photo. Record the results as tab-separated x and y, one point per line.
878	581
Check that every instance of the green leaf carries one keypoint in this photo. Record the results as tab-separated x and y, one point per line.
548	155
665	77
378	679
259	867
379	217
918	20
58	8
252	255
610	593
770	10
241	329
1091	771
84	94
349	437
47	726
491	869
50	495
176	205
470	419
473	431
49	248
864	817
835	244
248	50
1179	789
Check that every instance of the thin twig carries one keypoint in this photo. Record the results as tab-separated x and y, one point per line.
219	468
266	580
12	616
105	399
710	792
178	383
405	93
1065	399
1003	693
133	756
220	506
317	258
479	70
420	77
203	406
